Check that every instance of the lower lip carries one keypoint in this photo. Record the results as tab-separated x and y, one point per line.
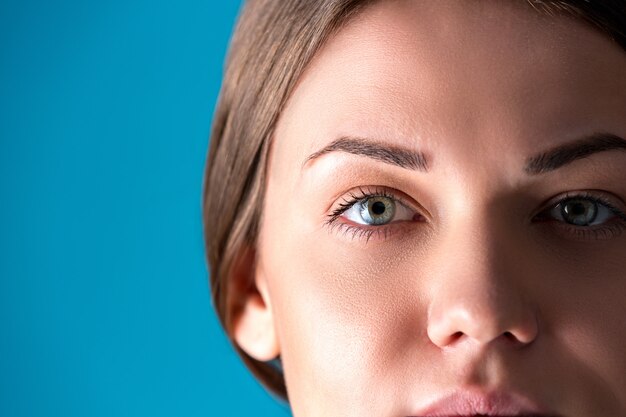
468	404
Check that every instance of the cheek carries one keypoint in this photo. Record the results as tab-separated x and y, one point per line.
589	299
344	316
585	327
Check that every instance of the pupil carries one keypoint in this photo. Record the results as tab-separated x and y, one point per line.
378	208
578	209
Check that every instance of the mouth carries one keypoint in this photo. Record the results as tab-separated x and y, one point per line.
480	404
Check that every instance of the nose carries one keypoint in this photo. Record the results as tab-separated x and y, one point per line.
478	293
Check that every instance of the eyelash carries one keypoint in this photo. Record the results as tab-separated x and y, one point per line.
606	231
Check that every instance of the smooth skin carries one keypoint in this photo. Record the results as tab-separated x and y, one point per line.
476	283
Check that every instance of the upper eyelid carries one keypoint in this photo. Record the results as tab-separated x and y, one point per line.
596	196
398	196
590	194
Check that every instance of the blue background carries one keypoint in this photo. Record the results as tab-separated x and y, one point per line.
105	111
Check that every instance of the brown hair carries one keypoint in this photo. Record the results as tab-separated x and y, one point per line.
273	42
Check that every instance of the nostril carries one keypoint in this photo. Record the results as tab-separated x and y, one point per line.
512	338
456	336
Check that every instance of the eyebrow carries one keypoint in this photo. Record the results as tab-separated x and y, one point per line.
541	163
564	154
390	154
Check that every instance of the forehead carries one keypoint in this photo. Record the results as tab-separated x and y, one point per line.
429	73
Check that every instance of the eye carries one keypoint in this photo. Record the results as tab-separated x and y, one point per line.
374	213
586	215
377	210
373	207
583	211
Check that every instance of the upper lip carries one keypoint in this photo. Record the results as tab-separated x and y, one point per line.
472	403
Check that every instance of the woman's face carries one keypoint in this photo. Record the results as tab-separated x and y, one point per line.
444	227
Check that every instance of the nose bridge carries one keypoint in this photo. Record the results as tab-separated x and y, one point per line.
476	288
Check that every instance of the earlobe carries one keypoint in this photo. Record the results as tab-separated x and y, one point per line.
253	325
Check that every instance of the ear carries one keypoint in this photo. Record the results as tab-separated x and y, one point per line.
253	321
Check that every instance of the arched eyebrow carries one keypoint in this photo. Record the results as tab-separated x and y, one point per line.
562	155
540	163
390	154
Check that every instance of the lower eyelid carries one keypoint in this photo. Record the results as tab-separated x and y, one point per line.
611	230
368	233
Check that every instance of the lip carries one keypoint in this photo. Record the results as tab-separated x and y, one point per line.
473	403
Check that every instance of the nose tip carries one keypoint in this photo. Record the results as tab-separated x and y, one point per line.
482	323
